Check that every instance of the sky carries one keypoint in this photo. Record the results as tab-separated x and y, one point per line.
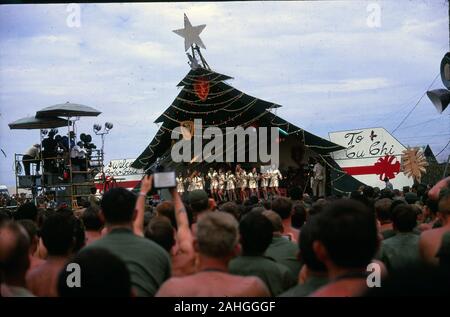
332	65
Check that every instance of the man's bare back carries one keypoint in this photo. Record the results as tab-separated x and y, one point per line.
213	284
42	280
430	241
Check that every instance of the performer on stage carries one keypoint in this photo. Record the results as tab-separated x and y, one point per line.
241	177
199	182
180	184
231	185
253	178
213	177
275	177
317	180
190	181
221	183
265	177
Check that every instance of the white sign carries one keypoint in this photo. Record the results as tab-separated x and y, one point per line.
123	173
371	155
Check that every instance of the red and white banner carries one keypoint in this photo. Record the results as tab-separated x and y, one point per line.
119	173
370	156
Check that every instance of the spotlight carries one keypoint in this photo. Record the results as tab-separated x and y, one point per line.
108	126
97	127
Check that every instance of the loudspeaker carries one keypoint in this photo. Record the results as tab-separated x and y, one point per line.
440	98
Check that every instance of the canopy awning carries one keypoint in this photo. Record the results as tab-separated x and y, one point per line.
67	110
30	123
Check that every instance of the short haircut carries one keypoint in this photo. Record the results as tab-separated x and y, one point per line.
283	207
30	227
404	218
308	235
217	234
57	234
167	209
231	208
200	205
348	231
383	209
14	248
79	233
318	206
160	231
118	205
299	215
103	274
256	233
275	219
91	219
26	211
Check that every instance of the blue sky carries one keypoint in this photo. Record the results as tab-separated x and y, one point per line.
320	60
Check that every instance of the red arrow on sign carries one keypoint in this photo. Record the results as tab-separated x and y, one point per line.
387	166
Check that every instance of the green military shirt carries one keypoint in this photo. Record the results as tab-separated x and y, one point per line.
147	262
276	276
285	252
401	250
311	285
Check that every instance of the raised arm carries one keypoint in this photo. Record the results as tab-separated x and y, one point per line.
184	234
138	223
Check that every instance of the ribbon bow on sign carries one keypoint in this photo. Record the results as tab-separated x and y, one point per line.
384	167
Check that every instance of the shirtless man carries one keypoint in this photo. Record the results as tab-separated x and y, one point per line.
283	207
346	243
430	240
217	243
182	254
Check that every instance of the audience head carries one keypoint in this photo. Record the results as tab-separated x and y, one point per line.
346	235
167	209
275	219
404	218
299	215
256	233
307	236
199	201
231	208
103	274
91	219
32	231
217	235
26	211
14	252
283	207
161	232
118	206
383	209
57	234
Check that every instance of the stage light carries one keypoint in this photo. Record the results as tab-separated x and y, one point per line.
97	127
108	126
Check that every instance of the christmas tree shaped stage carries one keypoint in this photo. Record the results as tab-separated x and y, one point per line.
205	95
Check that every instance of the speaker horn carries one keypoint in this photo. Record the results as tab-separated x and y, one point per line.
440	98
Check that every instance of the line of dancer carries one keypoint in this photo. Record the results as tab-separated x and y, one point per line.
226	185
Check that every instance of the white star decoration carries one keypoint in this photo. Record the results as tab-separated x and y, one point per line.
191	34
